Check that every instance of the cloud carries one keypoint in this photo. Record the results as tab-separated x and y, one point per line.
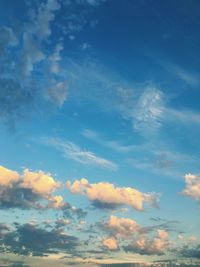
29	239
74	152
55	58
190	252
31	67
149	111
57	93
7	38
40	182
121	227
8	177
186	76
146	246
115	145
110	243
108	195
29	190
192	188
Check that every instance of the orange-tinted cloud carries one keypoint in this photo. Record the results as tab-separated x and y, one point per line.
105	194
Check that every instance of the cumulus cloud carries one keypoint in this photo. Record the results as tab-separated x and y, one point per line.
146	246
192	187
121	227
110	243
74	152
8	177
108	195
28	190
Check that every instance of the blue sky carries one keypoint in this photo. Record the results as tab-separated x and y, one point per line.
99	132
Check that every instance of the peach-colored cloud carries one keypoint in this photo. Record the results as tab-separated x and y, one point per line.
163	234
57	202
40	182
155	246
122	227
37	189
8	177
108	194
192	188
110	243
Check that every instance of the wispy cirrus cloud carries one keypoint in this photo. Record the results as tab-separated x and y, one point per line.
115	145
74	152
181	73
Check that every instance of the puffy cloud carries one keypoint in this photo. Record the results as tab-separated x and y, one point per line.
57	202
110	243
28	190
121	227
107	195
192	188
40	182
162	234
146	246
8	177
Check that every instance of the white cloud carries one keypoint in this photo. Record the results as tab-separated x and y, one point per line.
74	152
149	111
55	58
57	93
115	145
7	38
186	76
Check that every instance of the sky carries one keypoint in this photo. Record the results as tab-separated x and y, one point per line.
99	133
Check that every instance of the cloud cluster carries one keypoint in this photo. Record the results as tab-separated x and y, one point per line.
121	227
28	190
146	246
29	239
192	188
107	195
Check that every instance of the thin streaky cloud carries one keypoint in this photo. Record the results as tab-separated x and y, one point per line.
74	152
114	144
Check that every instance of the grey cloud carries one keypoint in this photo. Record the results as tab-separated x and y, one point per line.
190	252
17	197
29	239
